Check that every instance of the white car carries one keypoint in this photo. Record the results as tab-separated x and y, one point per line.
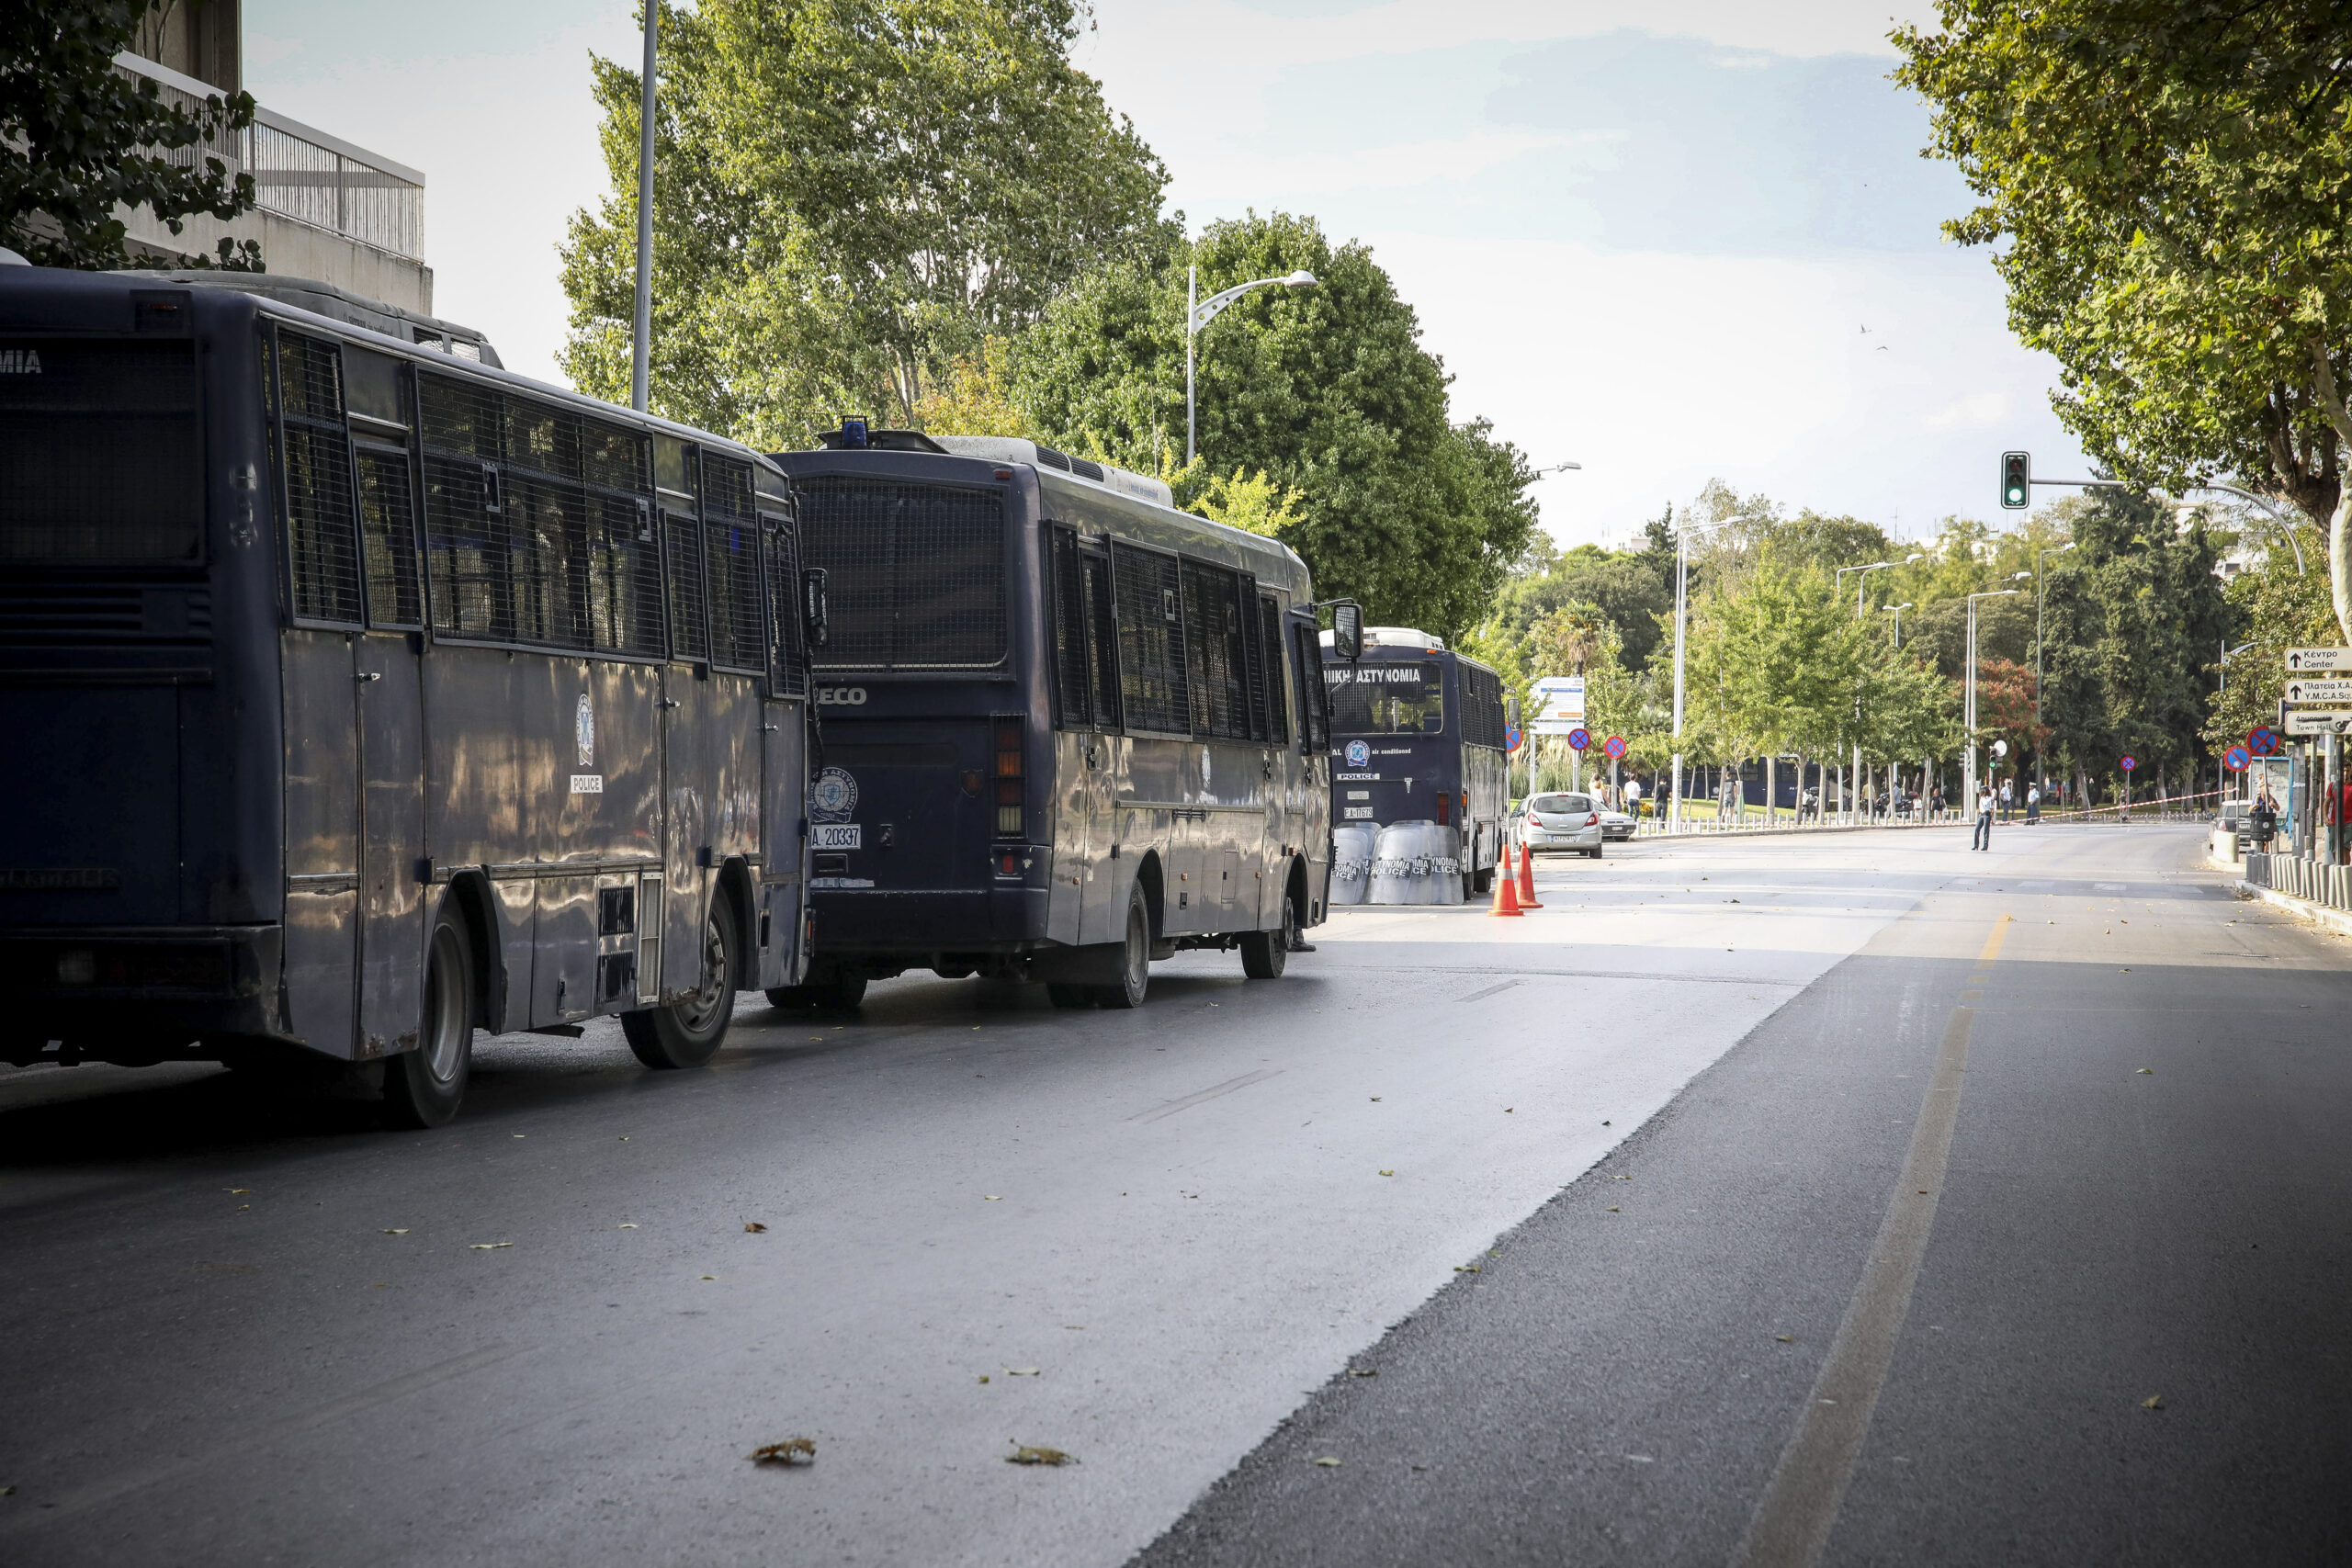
1616	825
1564	822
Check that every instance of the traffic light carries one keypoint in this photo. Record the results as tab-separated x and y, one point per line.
2017	480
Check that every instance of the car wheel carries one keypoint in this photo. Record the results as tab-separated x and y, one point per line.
1134	959
688	1034
422	1088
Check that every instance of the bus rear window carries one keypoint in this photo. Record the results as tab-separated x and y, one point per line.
1386	699
914	573
101	457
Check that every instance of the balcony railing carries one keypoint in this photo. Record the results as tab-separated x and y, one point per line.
305	174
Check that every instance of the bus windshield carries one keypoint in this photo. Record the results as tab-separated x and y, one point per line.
1386	699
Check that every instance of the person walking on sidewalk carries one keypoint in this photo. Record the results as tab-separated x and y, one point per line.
2032	804
1983	838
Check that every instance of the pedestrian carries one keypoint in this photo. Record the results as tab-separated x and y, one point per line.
2004	800
1983	838
2032	804
2264	822
1632	798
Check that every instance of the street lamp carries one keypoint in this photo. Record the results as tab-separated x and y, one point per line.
2038	596
1200	312
1898	609
1968	780
2221	780
2286	525
1557	469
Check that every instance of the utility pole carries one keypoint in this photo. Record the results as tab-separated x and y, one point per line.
2039	599
1681	599
640	366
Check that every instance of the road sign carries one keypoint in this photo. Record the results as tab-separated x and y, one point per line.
1614	745
1579	737
1511	737
2319	690
2320	721
2129	763
1559	701
2303	660
2235	759
2262	740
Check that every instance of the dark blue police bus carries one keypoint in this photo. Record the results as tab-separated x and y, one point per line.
366	695
1418	736
1066	728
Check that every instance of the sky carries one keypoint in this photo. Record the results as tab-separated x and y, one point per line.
1672	243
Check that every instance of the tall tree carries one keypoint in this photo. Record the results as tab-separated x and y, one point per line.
84	140
2172	181
1328	391
849	195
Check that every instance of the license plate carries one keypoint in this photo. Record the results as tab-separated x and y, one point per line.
1356	813
836	836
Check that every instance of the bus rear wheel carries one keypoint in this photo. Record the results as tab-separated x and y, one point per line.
688	1034
1134	959
422	1088
1264	954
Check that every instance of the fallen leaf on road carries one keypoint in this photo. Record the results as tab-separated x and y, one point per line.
754	1227
984	1377
1376	1099
1387	1173
1364	1371
235	1189
1075	1327
786	1452
710	1277
1612	1207
2147	1069
1785	1338
1021	1372
488	1246
1025	1454
2153	1401
1465	1268
1507	1110
991	1198
1326	1462
628	1227
403	1231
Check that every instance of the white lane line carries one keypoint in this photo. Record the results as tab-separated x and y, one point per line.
1227	1087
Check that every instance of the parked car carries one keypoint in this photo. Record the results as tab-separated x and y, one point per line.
1616	826
1561	821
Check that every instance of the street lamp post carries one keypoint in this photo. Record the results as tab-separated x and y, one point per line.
1898	609
1968	775
1199	313
640	352
2038	596
2220	776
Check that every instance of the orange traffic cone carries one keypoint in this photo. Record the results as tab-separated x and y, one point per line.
1527	879
1506	897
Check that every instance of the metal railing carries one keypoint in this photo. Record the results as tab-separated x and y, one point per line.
304	174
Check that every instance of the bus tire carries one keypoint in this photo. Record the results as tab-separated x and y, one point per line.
1063	996
422	1088
1485	882
1265	953
1134	958
688	1034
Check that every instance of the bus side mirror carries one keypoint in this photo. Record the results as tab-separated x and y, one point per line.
812	605
1347	630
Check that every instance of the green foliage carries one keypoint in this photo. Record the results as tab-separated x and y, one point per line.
973	398
2277	608
1625	587
1327	392
2135	622
2172	181
83	138
1253	501
849	195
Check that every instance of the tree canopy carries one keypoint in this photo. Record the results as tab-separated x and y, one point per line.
2171	182
1327	392
83	138
848	197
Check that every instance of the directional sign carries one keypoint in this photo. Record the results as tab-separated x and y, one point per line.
2237	759
2319	690
1579	738
2303	660
1559	701
2129	763
2262	740
2320	721
1614	745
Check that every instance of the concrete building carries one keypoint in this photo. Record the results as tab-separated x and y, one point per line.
323	208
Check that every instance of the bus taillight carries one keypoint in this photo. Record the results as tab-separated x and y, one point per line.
1008	818
1444	808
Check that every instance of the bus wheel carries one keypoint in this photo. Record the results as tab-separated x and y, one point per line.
1134	959
689	1033
1063	996
422	1088
1483	881
1265	953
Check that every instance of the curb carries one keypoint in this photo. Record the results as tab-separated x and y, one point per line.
2336	920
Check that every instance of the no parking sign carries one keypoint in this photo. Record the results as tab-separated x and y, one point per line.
1579	738
2237	759
2129	763
1614	745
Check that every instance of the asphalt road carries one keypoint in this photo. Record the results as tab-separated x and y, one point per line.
1819	1205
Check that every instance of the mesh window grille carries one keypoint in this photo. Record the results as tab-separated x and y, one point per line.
70	409
387	534
731	534
1073	683
1216	648
1269	683
1482	706
538	523
1314	699
1154	692
787	635
914	573
689	636
1102	635
323	543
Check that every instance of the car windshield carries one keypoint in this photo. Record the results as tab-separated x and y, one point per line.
1386	699
1559	803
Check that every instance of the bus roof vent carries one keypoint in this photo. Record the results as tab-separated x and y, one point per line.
343	305
1403	636
1012	449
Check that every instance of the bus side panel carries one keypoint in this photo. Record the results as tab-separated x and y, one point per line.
1075	824
1105	907
391	914
603	787
712	806
1484	776
737	770
322	837
479	800
784	870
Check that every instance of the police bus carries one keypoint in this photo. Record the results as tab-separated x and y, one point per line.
1418	736
365	695
1066	728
